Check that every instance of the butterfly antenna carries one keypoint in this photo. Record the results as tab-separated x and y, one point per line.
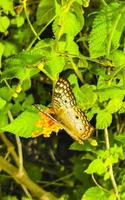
45	113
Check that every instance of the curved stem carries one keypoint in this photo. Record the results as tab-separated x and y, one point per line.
111	166
78	73
93	178
32	28
40	32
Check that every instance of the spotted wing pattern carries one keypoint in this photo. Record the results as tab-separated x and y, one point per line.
68	114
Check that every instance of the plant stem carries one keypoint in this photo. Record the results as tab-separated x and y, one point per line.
111	166
104	3
19	146
32	28
10	148
78	73
35	189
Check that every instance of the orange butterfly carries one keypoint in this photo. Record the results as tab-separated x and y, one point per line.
66	114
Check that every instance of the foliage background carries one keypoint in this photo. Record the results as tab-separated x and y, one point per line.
83	41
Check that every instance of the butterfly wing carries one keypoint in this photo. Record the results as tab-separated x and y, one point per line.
68	114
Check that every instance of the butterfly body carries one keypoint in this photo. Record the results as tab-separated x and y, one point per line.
68	114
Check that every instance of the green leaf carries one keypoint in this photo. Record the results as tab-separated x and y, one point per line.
54	65
18	21
5	93
28	101
16	108
2	103
107	29
7	6
112	155
94	193
10	49
118	58
96	166
23	125
86	146
68	47
3	119
13	72
16	67
4	23
106	93
114	105
103	119
89	96
68	22
9	198
85	96
120	139
45	11
1	51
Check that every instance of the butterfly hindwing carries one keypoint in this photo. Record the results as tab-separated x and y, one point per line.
67	112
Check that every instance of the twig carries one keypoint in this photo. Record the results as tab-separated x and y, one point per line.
19	146
10	148
111	166
93	178
24	180
27	17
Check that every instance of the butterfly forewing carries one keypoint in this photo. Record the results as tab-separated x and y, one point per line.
68	114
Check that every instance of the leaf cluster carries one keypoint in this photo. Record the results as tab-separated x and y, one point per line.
83	41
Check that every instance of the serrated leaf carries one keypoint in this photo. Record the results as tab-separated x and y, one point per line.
2	103
107	29
114	105
95	193
7	6
70	47
45	11
118	58
5	93
103	119
18	21
4	23
96	166
110	93
67	23
86	146
23	125
89	96
10	49
54	65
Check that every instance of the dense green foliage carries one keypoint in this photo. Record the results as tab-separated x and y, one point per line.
83	41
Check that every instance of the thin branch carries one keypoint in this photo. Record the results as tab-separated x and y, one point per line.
10	148
20	158
24	180
111	166
32	28
77	70
40	32
19	146
93	178
104	2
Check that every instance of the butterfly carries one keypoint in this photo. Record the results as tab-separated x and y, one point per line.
67	114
